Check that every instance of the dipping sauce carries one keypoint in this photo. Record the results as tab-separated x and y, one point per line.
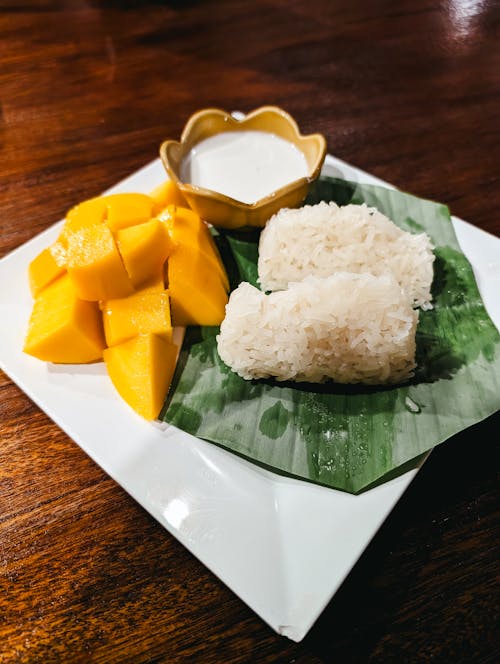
245	165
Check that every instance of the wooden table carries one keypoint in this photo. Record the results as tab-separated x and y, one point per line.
408	91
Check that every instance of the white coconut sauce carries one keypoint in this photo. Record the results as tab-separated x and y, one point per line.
245	165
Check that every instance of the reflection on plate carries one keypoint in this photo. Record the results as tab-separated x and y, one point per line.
282	545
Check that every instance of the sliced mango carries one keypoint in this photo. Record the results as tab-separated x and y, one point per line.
155	285
43	270
197	294
59	253
88	213
112	251
125	210
142	312
95	265
187	229
144	248
168	193
141	370
64	328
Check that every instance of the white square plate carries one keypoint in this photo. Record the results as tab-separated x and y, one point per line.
282	545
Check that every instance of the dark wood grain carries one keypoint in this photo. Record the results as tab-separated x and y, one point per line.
408	91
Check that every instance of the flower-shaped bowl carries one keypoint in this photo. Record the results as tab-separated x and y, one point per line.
224	211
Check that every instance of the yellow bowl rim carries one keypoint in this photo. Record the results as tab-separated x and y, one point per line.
239	126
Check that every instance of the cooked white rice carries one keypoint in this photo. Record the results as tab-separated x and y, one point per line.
353	328
323	239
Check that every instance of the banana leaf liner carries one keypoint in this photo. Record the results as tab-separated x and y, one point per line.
350	437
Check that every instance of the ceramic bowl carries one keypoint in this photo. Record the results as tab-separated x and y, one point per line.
226	212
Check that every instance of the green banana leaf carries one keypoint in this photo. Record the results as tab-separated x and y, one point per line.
350	437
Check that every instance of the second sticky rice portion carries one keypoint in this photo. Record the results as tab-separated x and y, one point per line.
323	239
352	328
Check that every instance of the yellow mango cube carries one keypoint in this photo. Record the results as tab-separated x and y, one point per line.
89	213
64	328
43	270
95	265
167	193
139	313
197	294
125	210
141	370
144	248
187	229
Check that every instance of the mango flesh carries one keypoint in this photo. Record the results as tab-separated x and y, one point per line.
187	229
140	313
59	253
111	250
83	215
95	265
116	210
141	370
124	210
197	294
43	270
144	248
64	328
168	193
155	285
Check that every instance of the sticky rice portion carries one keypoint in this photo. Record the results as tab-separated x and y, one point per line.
352	328
323	239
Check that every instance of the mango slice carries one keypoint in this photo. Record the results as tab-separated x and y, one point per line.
144	248
63	328
115	252
95	265
197	295
59	253
43	270
141	370
187	229
88	213
142	312
168	193
125	210
154	285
